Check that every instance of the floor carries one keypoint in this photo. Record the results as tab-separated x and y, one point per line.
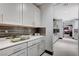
46	54
66	47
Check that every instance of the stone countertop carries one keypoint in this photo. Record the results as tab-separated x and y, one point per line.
5	43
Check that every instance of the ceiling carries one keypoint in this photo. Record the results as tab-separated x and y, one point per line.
38	4
55	4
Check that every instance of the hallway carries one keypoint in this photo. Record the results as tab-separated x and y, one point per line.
66	47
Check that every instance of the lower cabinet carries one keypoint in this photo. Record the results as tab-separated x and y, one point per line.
36	49
41	47
14	50
33	50
21	53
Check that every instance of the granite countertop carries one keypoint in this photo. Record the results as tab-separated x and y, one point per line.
5	43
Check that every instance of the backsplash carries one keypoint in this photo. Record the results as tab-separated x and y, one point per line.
9	31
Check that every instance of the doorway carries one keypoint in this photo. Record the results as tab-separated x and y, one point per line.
68	29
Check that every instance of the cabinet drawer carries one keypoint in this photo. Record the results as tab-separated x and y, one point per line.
21	53
33	42
8	51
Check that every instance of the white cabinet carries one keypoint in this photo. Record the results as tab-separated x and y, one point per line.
37	19
31	15
12	50
28	14
11	13
36	47
1	13
21	53
1	17
18	13
33	50
33	47
41	46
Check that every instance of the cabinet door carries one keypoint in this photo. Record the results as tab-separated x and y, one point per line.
0	16
41	47
48	44
33	50
12	50
1	13
21	53
28	14
11	13
37	16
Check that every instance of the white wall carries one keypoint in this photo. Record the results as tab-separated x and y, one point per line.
75	27
61	28
78	33
75	24
67	12
47	21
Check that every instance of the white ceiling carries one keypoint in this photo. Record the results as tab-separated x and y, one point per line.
39	4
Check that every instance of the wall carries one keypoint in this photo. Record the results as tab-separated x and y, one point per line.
75	29
67	12
60	28
47	21
75	24
78	32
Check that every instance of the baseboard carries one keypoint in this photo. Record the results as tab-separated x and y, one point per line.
42	53
55	41
72	37
49	52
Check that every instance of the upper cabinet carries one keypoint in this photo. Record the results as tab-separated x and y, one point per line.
28	14
11	13
31	15
37	16
1	13
19	14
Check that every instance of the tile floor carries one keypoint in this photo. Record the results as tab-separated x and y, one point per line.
66	47
45	54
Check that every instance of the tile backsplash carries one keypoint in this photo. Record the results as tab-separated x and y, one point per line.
9	31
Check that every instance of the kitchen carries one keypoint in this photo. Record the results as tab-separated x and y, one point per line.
20	30
32	29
